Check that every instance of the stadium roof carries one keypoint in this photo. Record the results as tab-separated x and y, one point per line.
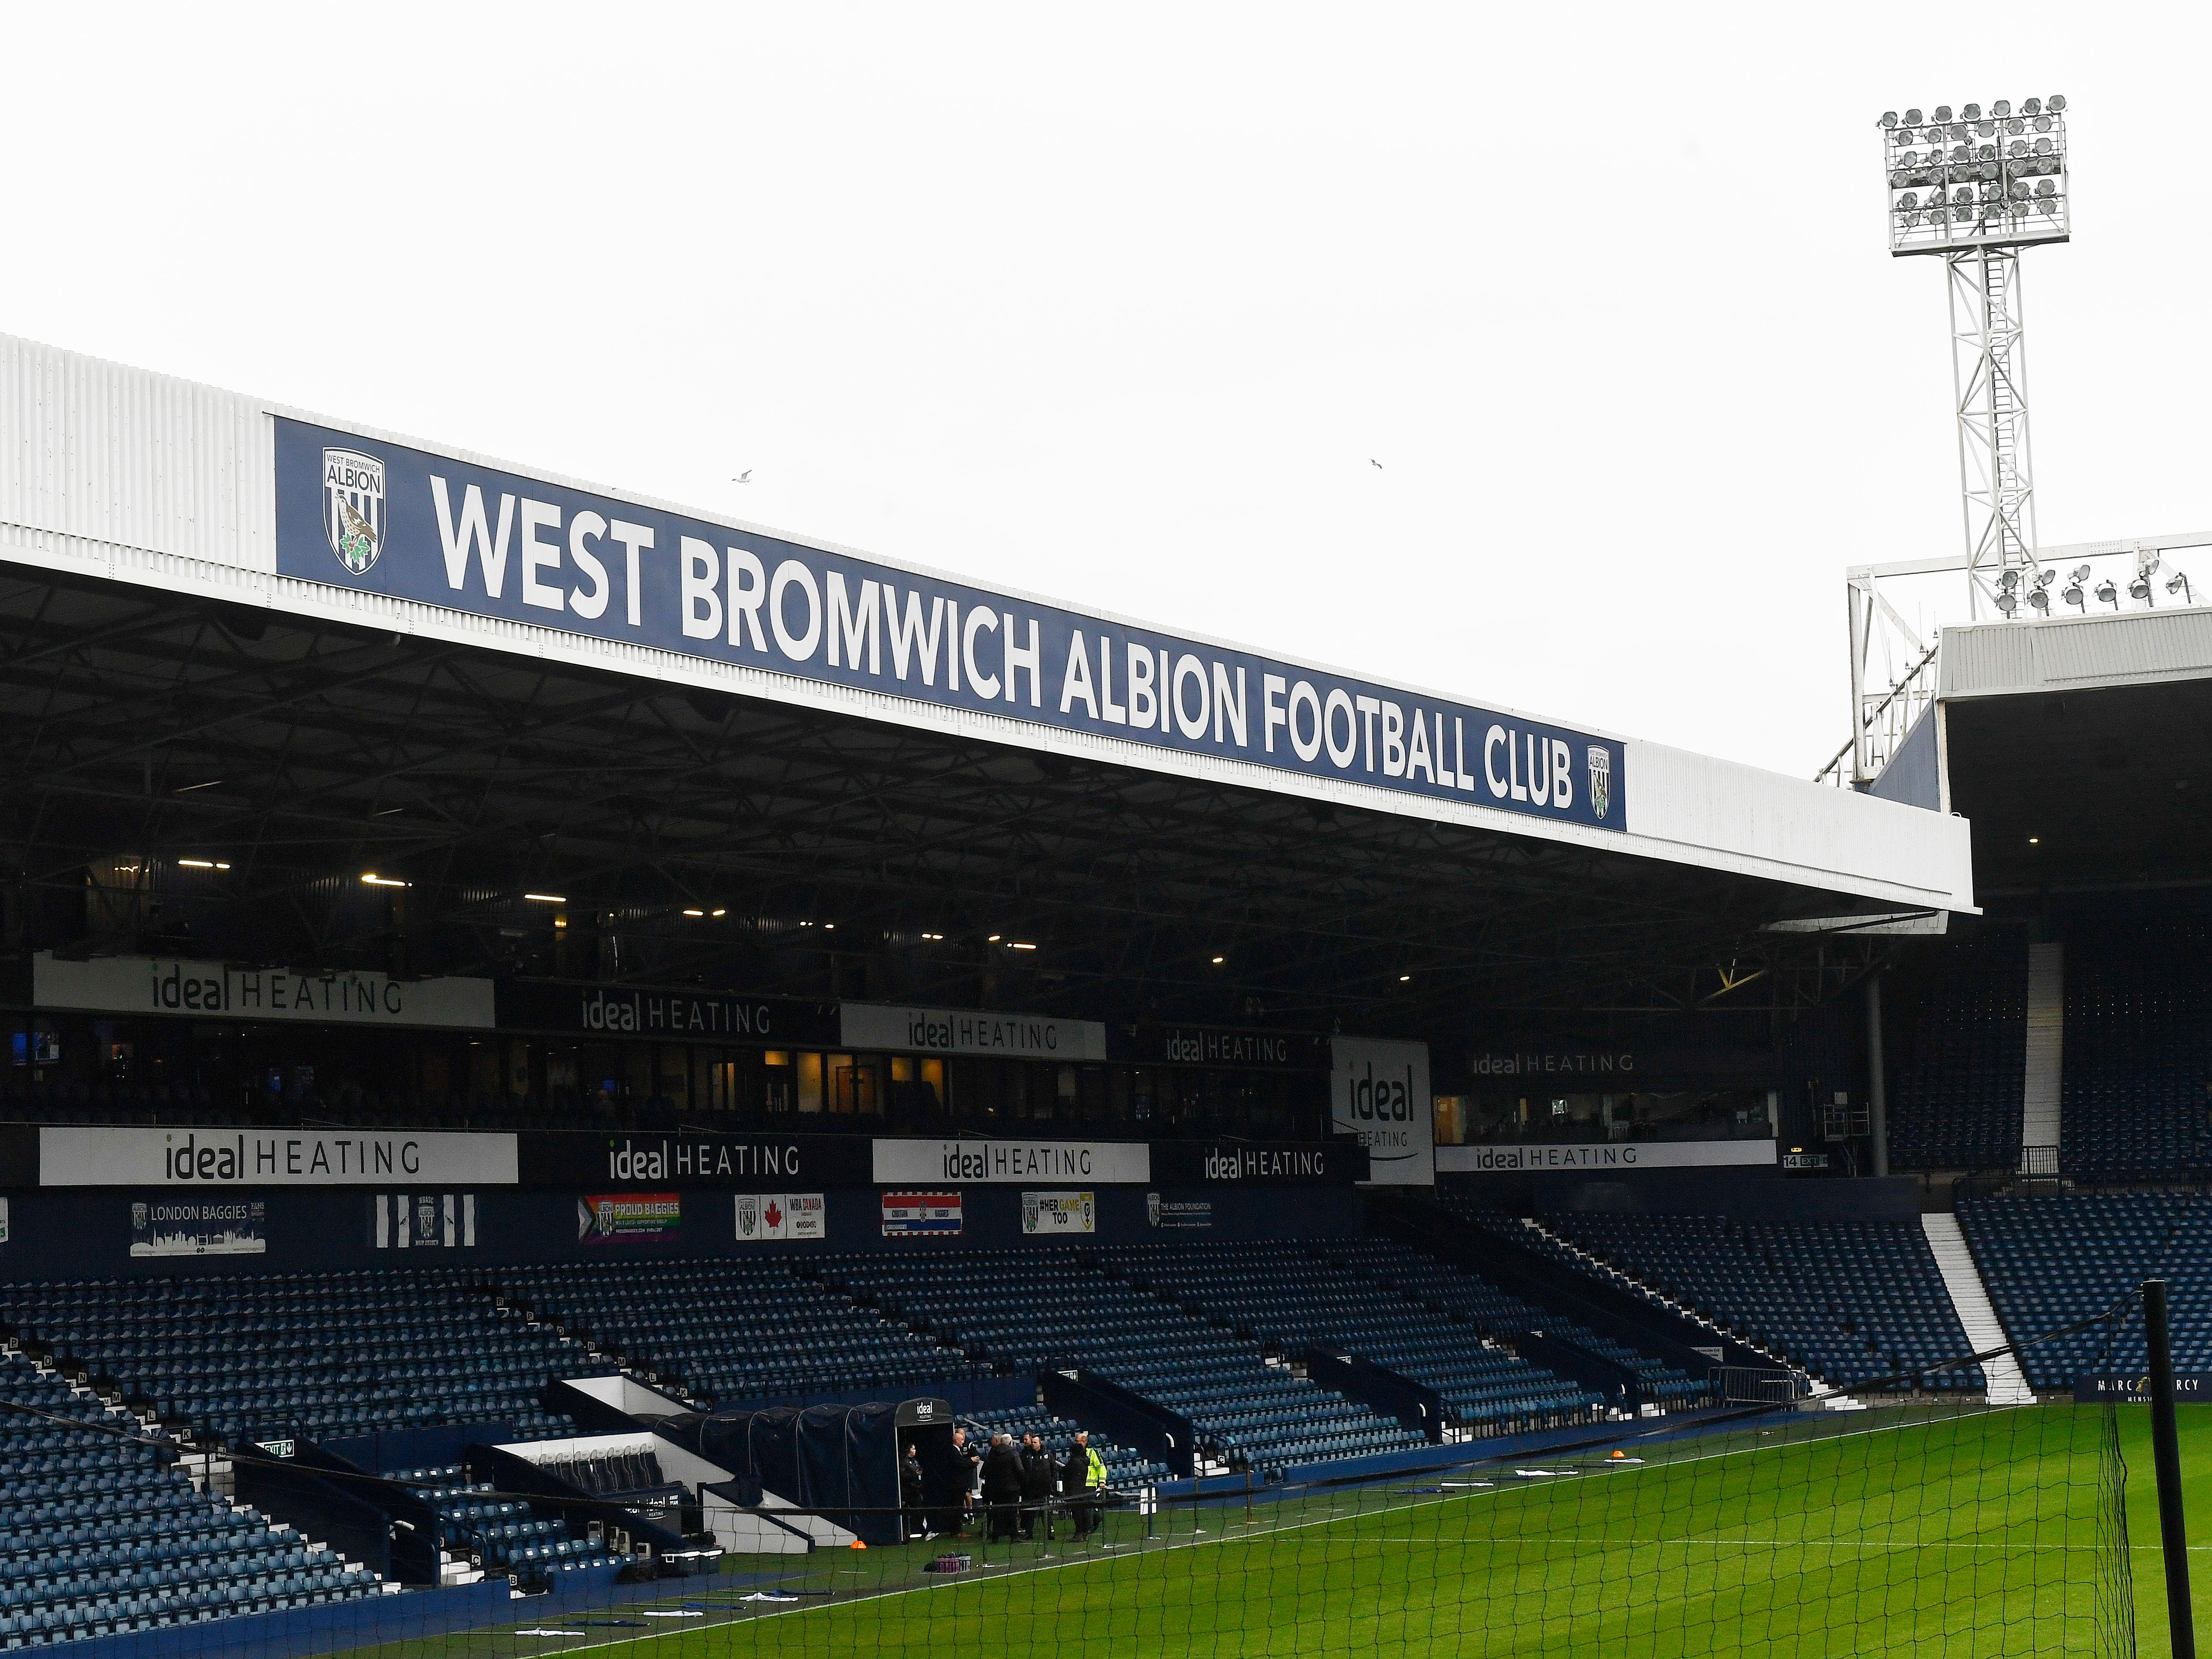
198	671
2080	749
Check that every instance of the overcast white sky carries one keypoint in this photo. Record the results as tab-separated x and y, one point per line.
1119	303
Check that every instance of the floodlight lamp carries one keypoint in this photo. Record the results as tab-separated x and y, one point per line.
2108	594
1889	117
2055	103
2081	573
1942	111
1970	112
2043	146
2140	588
2007	581
1908	201
2032	107
2178	583
1913	118
2072	593
2007	603
2002	107
2040	598
2043	123
2149	565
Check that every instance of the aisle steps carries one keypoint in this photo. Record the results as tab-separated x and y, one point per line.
1969	1299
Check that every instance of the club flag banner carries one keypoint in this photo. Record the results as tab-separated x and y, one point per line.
218	1227
780	1215
626	1218
375	516
1379	1094
423	1221
1060	1213
914	1215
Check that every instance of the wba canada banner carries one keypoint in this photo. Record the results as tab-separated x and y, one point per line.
780	1215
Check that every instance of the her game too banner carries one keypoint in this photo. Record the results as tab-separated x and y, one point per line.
384	518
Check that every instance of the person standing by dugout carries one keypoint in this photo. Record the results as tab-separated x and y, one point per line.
1083	1479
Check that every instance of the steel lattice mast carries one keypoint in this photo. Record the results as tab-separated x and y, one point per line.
1973	190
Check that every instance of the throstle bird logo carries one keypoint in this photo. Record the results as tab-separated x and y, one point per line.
352	507
1601	779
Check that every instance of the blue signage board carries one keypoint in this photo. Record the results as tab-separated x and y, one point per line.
383	517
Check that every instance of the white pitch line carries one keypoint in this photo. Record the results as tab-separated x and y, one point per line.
1328	1520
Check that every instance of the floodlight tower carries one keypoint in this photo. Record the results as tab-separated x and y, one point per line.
1972	190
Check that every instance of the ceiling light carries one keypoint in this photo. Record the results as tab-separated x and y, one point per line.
1403	978
1025	947
994	940
720	913
1216	962
560	922
932	936
2035	841
197	864
220	865
695	913
831	926
372	880
547	898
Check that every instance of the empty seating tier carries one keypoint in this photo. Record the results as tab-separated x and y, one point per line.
101	1534
2052	1262
1848	1301
737	1331
321	1354
1957	1035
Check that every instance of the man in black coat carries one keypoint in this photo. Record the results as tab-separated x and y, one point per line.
1076	1485
1039	1477
964	1462
1002	1485
917	1525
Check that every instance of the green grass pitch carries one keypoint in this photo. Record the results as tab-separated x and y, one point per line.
1902	1531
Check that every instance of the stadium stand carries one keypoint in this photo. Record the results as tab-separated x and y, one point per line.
736	1331
1331	1302
319	1354
505	1533
1451	1290
1026	1310
1847	1301
2052	1262
1956	1051
102	1534
2138	1068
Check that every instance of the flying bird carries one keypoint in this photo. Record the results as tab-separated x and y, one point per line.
1372	462
746	477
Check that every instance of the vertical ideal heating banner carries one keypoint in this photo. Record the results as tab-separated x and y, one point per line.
1379	1092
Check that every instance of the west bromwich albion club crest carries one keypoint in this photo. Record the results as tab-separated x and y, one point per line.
1601	779
352	507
